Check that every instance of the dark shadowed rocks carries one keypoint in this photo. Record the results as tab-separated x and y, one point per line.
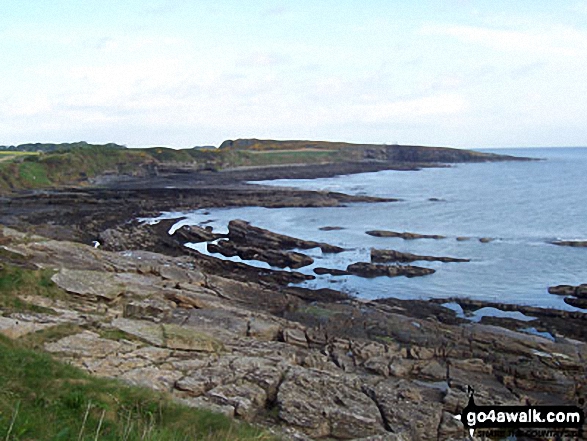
405	235
365	269
194	233
243	232
570	243
332	271
578	303
383	256
316	364
277	258
577	295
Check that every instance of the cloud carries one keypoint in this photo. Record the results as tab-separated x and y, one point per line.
527	70
555	41
580	7
435	105
275	11
261	59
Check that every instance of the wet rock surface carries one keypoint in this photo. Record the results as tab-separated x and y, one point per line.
242	232
365	269
398	256
570	243
280	259
577	295
405	235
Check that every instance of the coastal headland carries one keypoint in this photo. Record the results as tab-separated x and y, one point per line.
308	364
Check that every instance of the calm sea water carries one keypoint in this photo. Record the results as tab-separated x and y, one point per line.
521	205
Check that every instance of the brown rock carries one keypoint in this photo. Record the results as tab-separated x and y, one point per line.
322	405
577	303
277	258
195	234
92	285
398	256
364	269
562	290
242	232
246	398
403	409
570	243
148	309
296	337
263	330
331	271
405	236
152	377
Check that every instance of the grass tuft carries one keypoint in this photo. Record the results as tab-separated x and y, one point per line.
43	399
16	281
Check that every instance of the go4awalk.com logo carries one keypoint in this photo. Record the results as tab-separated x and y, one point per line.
522	420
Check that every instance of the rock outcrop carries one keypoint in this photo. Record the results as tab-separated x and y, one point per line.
570	243
364	269
312	365
577	295
276	258
405	235
383	256
242	232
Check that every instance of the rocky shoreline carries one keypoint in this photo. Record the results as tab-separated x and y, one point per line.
238	339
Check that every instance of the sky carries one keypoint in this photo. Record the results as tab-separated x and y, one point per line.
460	73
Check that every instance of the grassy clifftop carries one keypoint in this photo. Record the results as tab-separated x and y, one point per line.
32	166
344	151
66	167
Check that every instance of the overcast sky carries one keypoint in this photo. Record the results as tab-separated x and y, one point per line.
180	73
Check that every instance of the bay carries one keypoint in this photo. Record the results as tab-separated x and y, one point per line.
521	206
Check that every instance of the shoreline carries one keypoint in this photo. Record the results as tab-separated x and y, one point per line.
294	347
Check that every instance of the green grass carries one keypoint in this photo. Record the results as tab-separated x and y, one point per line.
42	399
16	281
70	167
33	174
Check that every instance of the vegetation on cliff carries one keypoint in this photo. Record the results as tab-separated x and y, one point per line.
30	166
41	398
44	399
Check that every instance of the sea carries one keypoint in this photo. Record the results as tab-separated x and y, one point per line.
521	206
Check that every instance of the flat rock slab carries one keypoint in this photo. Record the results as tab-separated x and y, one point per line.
168	335
14	328
90	284
88	344
152	377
